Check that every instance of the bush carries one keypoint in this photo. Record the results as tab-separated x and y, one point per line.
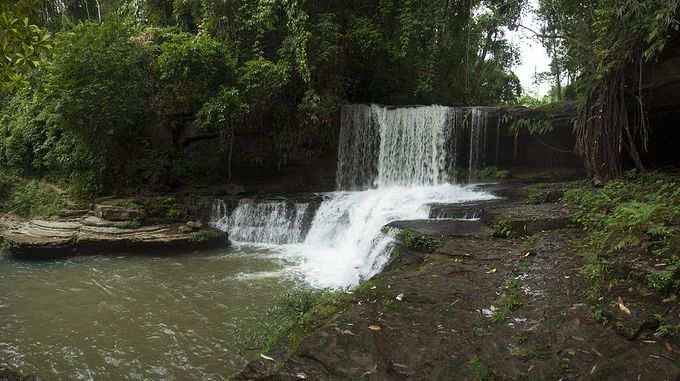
192	68
35	199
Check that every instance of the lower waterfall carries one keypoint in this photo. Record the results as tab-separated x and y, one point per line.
265	222
345	243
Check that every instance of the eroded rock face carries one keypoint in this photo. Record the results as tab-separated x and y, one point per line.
49	239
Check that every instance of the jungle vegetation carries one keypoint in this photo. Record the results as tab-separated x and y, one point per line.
84	83
83	79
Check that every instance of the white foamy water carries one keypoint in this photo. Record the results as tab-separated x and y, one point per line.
345	244
268	221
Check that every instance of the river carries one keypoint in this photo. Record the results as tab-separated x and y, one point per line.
183	317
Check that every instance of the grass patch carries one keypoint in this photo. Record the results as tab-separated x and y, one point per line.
479	371
297	313
508	302
543	193
494	173
205	235
418	242
638	214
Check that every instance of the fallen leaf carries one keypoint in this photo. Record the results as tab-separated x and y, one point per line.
374	327
622	306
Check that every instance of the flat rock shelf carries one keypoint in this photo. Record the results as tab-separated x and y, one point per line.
40	239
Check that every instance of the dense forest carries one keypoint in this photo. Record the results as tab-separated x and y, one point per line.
85	84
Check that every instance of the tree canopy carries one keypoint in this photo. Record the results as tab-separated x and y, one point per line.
77	99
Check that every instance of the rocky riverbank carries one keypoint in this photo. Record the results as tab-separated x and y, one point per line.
106	228
502	298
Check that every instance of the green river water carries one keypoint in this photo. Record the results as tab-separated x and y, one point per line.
186	317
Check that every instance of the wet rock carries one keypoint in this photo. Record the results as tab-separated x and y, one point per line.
116	213
195	225
39	239
471	210
522	219
184	229
441	228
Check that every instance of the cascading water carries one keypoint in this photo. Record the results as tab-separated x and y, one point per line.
386	146
268	221
346	245
482	132
406	159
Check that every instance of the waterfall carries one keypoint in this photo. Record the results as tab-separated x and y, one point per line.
392	164
384	146
480	129
358	148
345	243
266	221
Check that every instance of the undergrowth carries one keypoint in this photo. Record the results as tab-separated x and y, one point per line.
494	173
30	198
295	314
509	301
637	215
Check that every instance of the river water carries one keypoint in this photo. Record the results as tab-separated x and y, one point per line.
185	317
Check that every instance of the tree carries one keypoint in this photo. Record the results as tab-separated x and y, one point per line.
23	44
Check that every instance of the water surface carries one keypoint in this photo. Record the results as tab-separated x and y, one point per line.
137	318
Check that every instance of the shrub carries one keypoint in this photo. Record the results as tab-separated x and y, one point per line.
36	199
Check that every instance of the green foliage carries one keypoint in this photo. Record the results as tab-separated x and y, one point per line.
296	313
533	126
93	98
111	108
511	299
637	213
33	199
164	208
665	328
479	371
494	173
419	242
543	193
602	45
205	235
191	69
23	44
503	229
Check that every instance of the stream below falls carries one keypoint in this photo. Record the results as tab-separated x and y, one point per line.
184	317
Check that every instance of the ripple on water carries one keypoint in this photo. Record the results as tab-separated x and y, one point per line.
137	318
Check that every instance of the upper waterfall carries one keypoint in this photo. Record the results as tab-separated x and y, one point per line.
385	146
